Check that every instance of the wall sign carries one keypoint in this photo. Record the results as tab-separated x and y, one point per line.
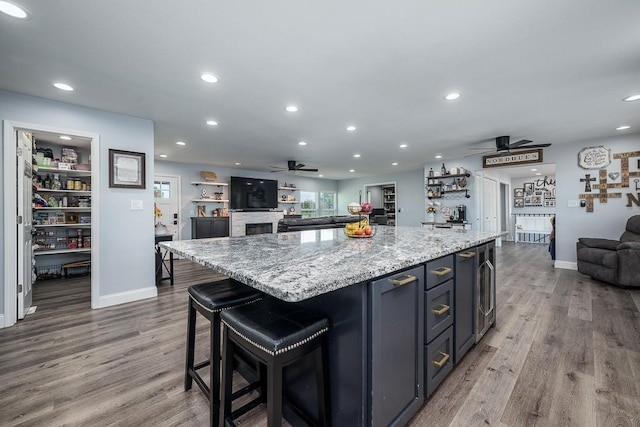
521	157
594	157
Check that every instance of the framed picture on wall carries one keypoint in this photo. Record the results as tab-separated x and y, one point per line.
518	192
126	169
518	202
536	201
528	187
527	201
548	195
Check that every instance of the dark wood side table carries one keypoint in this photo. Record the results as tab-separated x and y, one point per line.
161	261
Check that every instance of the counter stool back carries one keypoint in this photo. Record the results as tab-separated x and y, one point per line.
277	334
210	299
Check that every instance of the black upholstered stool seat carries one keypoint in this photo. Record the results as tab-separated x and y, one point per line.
275	326
221	295
209	299
277	334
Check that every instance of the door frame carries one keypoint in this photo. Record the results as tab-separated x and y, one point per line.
179	179
380	184
479	188
10	208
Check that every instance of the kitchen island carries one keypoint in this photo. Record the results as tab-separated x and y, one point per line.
386	298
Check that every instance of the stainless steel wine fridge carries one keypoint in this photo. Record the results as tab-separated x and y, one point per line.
485	289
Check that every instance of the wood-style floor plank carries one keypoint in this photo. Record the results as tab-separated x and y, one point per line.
565	351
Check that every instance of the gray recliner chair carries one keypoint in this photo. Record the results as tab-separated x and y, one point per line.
613	261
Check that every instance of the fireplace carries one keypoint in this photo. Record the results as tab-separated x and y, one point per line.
258	228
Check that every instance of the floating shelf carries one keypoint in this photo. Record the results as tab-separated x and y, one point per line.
218	184
288	188
210	201
293	203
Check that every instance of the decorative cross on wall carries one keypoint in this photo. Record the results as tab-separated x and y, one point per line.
587	182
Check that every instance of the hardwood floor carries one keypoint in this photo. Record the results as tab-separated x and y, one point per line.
566	351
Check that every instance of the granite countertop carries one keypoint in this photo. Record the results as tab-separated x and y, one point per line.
295	266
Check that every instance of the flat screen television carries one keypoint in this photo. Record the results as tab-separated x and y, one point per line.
253	194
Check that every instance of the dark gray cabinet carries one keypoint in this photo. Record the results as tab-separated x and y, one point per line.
396	347
205	227
465	309
438	359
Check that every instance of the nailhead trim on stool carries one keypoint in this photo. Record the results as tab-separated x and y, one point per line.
210	300
277	334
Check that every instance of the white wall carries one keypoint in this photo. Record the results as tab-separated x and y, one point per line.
126	237
191	173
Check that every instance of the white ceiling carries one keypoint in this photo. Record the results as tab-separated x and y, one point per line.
548	71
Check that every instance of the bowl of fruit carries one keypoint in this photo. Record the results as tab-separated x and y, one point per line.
360	229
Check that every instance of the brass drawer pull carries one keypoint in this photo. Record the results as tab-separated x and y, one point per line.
407	279
441	362
442	271
443	309
467	254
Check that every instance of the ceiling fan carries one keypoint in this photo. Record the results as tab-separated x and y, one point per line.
294	166
503	144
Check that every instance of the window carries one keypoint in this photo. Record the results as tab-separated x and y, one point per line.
313	204
161	189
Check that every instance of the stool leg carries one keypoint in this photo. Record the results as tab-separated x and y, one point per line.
274	392
191	337
227	376
214	377
322	381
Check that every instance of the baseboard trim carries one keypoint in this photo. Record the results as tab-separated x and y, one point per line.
566	265
124	297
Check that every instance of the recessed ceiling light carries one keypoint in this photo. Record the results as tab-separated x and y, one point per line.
320	176
164	156
534	169
452	96
65	137
63	86
181	143
352	170
403	145
538	173
394	164
238	163
438	156
291	108
212	123
625	127
351	128
209	78
356	155
302	143
12	10
631	98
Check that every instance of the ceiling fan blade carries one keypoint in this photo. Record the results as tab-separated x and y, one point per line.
299	166
519	143
307	170
531	146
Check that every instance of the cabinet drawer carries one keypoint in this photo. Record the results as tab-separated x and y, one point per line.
439	271
438	361
438	310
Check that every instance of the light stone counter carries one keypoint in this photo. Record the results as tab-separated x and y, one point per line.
296	266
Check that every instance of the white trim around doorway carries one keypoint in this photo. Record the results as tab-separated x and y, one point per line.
10	233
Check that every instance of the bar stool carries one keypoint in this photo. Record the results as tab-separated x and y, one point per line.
209	299
276	333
